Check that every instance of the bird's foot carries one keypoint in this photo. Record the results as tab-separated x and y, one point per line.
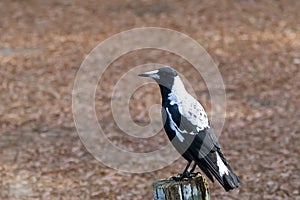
186	175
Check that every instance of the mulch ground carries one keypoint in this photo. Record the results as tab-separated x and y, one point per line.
255	44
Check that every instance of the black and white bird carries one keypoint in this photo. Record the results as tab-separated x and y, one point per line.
188	128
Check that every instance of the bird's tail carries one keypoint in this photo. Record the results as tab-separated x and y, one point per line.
221	171
230	181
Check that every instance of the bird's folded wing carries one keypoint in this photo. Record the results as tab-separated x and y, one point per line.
205	149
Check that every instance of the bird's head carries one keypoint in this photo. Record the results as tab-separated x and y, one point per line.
163	76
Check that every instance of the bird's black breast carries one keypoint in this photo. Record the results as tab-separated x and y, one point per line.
165	104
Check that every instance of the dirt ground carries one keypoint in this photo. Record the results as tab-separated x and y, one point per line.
256	45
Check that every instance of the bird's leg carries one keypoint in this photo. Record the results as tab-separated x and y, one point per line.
185	173
187	167
193	168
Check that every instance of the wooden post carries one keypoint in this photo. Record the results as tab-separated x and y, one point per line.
194	188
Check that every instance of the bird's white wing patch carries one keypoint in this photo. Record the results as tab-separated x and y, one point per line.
175	128
222	168
172	98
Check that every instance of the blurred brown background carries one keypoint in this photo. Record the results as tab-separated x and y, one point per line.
256	45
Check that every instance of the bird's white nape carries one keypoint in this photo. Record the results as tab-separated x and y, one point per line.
177	90
178	86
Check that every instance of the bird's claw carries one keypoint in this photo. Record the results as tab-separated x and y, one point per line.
182	176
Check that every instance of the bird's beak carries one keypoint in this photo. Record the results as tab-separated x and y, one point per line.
152	74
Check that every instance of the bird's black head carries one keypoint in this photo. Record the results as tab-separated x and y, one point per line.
163	76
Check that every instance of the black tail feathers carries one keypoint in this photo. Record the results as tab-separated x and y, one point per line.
230	181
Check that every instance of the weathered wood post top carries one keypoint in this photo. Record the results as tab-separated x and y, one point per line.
193	188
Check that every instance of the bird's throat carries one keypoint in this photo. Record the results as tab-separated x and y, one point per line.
164	93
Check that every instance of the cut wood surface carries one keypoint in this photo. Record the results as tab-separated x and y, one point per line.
194	188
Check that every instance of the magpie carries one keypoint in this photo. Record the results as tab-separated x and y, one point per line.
188	128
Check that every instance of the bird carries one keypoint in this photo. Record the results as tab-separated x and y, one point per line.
188	128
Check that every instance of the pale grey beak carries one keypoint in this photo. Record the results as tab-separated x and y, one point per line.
152	74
